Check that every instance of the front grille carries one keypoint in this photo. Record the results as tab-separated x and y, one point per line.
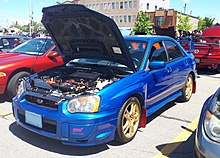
48	125
41	101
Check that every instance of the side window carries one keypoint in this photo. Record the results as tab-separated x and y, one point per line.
6	44
48	45
158	52
173	50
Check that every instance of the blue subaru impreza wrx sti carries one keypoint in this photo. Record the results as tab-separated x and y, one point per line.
108	84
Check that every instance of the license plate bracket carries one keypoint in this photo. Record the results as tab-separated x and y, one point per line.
197	60
33	119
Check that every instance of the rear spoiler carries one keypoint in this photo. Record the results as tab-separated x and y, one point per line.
187	43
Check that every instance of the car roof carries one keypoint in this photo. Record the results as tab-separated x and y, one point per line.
147	37
11	36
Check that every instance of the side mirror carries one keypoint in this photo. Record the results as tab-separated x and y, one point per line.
53	54
154	65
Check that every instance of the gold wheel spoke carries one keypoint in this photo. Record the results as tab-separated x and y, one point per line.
132	108
136	117
127	114
126	127
189	85
131	131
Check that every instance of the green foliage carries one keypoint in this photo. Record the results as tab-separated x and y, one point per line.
205	23
36	27
208	22
143	23
201	24
184	23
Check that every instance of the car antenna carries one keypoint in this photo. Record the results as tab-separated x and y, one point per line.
38	55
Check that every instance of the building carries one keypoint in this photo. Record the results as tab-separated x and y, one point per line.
70	2
124	12
165	19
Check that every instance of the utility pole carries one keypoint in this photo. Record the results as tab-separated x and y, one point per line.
30	17
185	8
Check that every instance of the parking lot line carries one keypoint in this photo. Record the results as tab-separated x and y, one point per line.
183	136
6	114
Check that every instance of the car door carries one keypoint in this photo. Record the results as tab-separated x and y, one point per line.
161	79
178	64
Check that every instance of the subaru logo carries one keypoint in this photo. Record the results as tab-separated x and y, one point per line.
39	101
196	51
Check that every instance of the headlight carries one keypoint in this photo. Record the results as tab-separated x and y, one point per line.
21	88
84	104
212	122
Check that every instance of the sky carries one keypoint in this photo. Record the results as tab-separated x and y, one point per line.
19	10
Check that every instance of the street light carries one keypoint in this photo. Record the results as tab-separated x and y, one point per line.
30	17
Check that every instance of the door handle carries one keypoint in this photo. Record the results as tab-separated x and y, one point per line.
169	69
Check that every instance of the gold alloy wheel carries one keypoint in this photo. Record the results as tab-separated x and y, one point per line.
130	120
189	87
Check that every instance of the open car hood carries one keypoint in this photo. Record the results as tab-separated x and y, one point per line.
79	32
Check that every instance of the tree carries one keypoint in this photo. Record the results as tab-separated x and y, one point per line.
184	23
143	23
201	24
208	22
23	28
36	27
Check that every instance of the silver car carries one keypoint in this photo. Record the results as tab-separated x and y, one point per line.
207	140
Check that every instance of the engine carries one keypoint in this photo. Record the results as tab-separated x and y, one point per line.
72	84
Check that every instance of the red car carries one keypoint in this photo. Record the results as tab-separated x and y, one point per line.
32	56
207	52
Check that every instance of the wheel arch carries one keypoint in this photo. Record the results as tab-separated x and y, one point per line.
139	96
29	70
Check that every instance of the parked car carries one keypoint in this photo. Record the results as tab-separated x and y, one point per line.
9	42
207	52
207	140
30	57
110	84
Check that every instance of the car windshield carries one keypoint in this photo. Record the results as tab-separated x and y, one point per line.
136	49
34	47
85	61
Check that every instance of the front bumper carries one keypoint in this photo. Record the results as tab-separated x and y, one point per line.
3	83
204	146
77	129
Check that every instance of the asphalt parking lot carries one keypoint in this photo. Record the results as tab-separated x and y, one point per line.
169	132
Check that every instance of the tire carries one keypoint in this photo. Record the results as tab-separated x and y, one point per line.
187	89
14	83
218	68
129	118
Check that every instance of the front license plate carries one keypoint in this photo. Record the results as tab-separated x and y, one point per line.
33	119
197	60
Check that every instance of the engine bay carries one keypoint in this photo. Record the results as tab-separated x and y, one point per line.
72	82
